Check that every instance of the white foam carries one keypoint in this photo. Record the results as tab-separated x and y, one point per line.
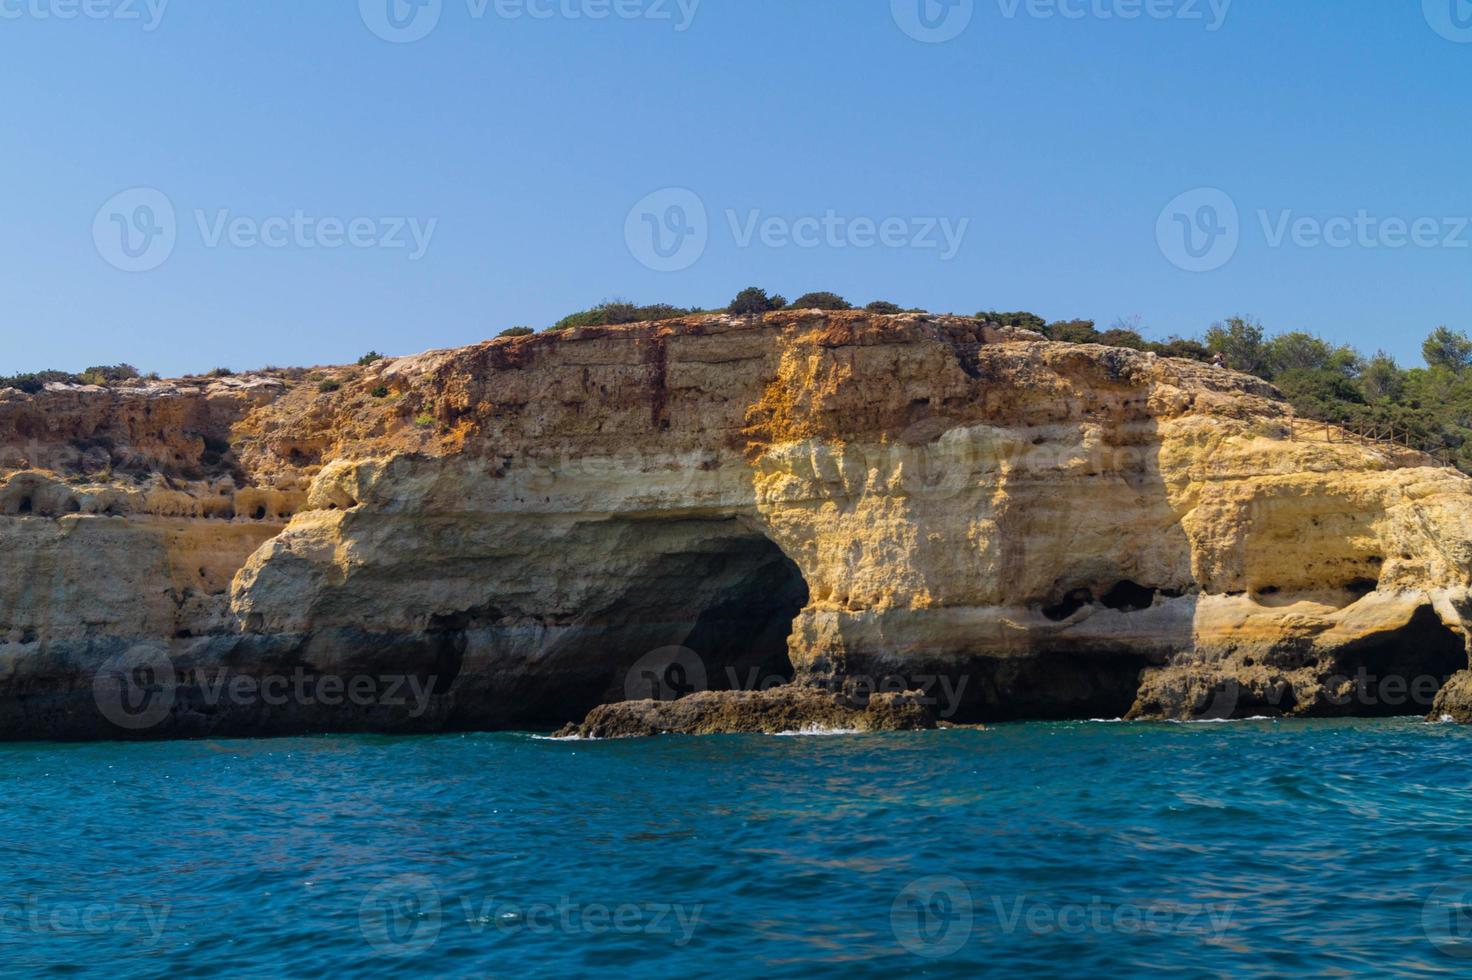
811	730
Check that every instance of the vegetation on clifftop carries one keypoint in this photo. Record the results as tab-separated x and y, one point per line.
1322	380
1430	404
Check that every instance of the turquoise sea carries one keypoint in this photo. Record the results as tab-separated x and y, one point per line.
1033	850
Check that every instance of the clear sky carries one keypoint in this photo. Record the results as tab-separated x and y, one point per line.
951	154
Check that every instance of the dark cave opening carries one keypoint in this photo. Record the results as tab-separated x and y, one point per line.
726	599
709	607
1050	686
1127	596
1394	674
1071	603
742	632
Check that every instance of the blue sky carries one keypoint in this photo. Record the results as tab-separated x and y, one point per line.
826	146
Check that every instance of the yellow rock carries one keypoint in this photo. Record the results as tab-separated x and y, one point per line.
1059	530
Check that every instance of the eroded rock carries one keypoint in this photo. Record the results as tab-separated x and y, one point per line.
1010	527
790	709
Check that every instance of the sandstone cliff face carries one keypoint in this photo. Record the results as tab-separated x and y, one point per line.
511	534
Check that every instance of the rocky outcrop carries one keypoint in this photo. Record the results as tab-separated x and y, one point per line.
791	709
512	534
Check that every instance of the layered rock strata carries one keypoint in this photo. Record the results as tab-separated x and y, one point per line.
512	534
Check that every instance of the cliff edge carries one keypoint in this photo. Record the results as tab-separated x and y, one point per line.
512	534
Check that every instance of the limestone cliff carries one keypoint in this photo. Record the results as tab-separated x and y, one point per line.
511	534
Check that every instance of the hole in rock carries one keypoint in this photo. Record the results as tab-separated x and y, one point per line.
1068	605
25	505
725	594
1050	686
1127	596
1398	672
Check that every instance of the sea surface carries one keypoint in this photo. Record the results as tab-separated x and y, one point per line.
1254	848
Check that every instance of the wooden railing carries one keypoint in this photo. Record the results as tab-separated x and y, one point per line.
1399	440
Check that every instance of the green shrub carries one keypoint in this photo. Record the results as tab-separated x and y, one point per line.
1117	337
111	372
1239	339
221	372
614	312
516	332
424	420
33	382
754	300
1072	332
369	358
380	392
329	386
1021	318
1181	347
884	307
820	301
